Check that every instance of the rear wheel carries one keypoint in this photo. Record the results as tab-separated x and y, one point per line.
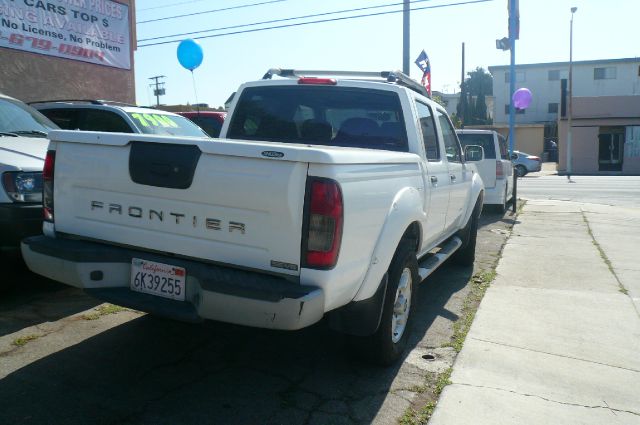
501	208
521	170
390	340
466	254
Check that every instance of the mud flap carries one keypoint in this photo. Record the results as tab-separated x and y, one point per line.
360	318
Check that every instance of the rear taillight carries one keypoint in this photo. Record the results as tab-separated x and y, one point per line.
323	224
534	158
318	81
47	186
499	170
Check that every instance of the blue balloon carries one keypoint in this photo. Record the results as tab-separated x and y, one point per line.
189	54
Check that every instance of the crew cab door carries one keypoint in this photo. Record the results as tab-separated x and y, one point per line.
435	175
457	175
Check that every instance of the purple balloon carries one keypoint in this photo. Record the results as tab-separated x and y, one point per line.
522	98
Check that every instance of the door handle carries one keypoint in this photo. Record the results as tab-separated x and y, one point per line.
434	179
453	177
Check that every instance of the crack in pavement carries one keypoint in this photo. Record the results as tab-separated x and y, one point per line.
565	403
607	261
555	354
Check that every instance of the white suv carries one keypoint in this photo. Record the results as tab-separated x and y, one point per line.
102	115
495	169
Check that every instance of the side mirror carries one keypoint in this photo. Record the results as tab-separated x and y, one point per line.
473	153
514	156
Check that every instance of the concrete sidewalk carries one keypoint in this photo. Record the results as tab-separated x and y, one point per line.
556	339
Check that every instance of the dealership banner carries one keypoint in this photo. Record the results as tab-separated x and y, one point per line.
95	31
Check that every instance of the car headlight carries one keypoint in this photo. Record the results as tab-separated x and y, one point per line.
23	186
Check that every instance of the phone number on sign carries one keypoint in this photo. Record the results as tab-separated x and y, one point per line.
62	48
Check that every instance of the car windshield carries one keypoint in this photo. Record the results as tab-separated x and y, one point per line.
165	124
484	140
16	118
324	115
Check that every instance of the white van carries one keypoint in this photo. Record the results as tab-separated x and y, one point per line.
496	169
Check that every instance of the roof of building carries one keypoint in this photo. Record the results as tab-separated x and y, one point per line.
555	64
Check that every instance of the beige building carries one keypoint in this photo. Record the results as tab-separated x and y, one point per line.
605	136
64	49
529	138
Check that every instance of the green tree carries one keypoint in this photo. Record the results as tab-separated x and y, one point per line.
472	108
438	100
457	123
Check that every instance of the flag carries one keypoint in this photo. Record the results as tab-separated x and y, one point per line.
425	66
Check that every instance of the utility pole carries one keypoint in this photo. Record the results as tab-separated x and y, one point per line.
513	22
406	21
159	87
463	94
513	35
570	118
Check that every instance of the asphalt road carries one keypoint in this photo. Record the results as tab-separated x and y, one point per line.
63	360
608	190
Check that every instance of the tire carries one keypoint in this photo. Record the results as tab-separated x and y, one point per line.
521	170
502	208
388	343
466	254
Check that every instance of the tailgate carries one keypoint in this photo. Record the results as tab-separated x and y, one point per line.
175	198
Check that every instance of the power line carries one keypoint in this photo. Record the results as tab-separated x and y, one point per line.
319	21
209	11
282	20
170	5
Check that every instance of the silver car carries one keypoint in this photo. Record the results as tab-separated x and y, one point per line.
23	147
524	163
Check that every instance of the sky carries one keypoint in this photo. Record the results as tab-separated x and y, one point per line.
603	29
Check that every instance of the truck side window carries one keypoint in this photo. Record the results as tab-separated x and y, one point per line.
428	132
67	119
451	144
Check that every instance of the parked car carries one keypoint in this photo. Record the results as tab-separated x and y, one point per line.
326	200
525	163
210	121
102	115
23	147
495	169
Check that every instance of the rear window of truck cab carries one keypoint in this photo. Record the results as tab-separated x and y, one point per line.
320	115
484	140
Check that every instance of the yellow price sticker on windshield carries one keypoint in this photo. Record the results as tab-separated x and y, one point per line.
140	119
168	122
154	120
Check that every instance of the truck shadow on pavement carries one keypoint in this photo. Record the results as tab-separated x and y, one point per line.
151	370
29	299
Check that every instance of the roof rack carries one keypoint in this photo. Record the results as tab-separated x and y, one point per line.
397	77
91	101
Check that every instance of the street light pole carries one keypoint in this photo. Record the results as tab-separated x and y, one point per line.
406	36
570	112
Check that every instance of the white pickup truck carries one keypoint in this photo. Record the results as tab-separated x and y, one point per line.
324	197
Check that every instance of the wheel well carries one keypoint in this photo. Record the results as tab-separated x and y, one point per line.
413	234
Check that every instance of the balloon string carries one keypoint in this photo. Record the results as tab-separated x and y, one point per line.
195	92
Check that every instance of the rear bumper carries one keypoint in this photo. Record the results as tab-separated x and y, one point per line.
495	195
17	221
534	167
212	292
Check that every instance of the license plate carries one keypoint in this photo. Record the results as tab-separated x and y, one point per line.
163	280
